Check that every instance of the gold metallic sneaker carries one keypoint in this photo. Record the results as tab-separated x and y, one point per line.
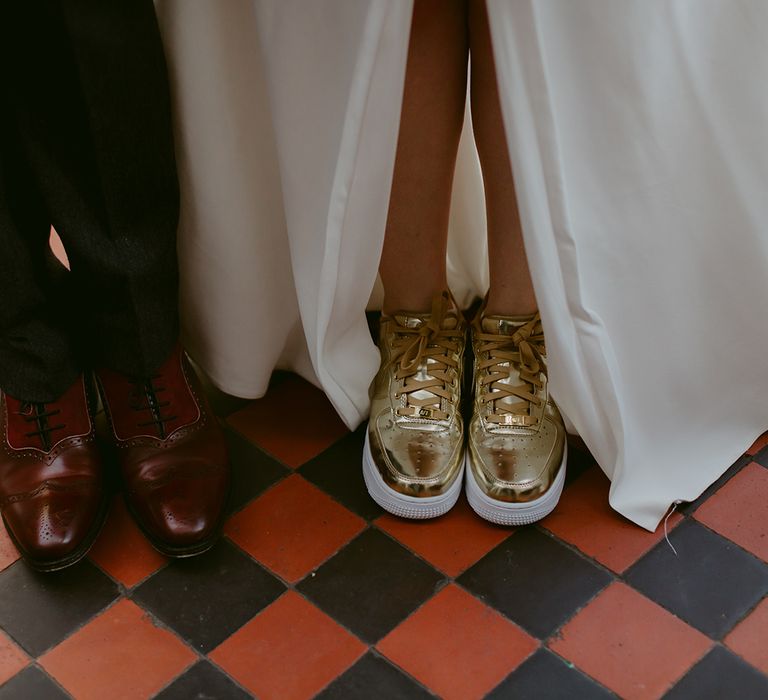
414	459
517	450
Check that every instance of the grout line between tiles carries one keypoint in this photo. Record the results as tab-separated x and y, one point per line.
49	677
126	592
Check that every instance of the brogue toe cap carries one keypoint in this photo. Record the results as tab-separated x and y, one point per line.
51	529
182	512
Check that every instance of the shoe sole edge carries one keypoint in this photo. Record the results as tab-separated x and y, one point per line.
514	514
399	504
193	549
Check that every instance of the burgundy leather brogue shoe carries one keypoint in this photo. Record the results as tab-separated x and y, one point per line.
172	455
52	492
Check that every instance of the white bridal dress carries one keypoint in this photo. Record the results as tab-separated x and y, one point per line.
638	134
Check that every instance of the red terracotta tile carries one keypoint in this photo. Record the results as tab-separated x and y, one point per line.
122	551
293	528
630	644
8	552
270	422
289	651
12	659
749	639
758	444
452	542
739	510
120	654
585	519
457	646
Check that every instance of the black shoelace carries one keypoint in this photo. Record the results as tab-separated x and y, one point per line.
144	397
38	413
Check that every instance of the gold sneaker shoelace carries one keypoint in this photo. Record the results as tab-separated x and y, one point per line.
522	352
427	350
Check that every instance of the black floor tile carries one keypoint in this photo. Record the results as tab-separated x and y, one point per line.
32	684
278	377
203	682
206	598
253	471
222	404
371	585
546	677
579	460
338	471
535	581
40	610
762	457
733	470
718	676
711	583
373	678
373	318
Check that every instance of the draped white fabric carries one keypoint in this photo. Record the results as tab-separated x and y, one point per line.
637	134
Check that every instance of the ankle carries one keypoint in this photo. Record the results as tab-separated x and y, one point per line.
412	301
502	305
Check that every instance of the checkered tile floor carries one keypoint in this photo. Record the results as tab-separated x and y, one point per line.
315	592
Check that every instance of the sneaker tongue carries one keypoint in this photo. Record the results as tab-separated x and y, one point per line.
450	322
503	325
409	320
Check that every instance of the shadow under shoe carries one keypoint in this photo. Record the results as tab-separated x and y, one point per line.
52	489
172	455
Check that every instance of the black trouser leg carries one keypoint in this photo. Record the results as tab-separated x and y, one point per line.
36	356
87	92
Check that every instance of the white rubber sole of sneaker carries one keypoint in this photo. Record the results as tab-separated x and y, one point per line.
407	506
503	513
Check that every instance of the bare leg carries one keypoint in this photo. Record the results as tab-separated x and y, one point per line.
413	260
511	290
